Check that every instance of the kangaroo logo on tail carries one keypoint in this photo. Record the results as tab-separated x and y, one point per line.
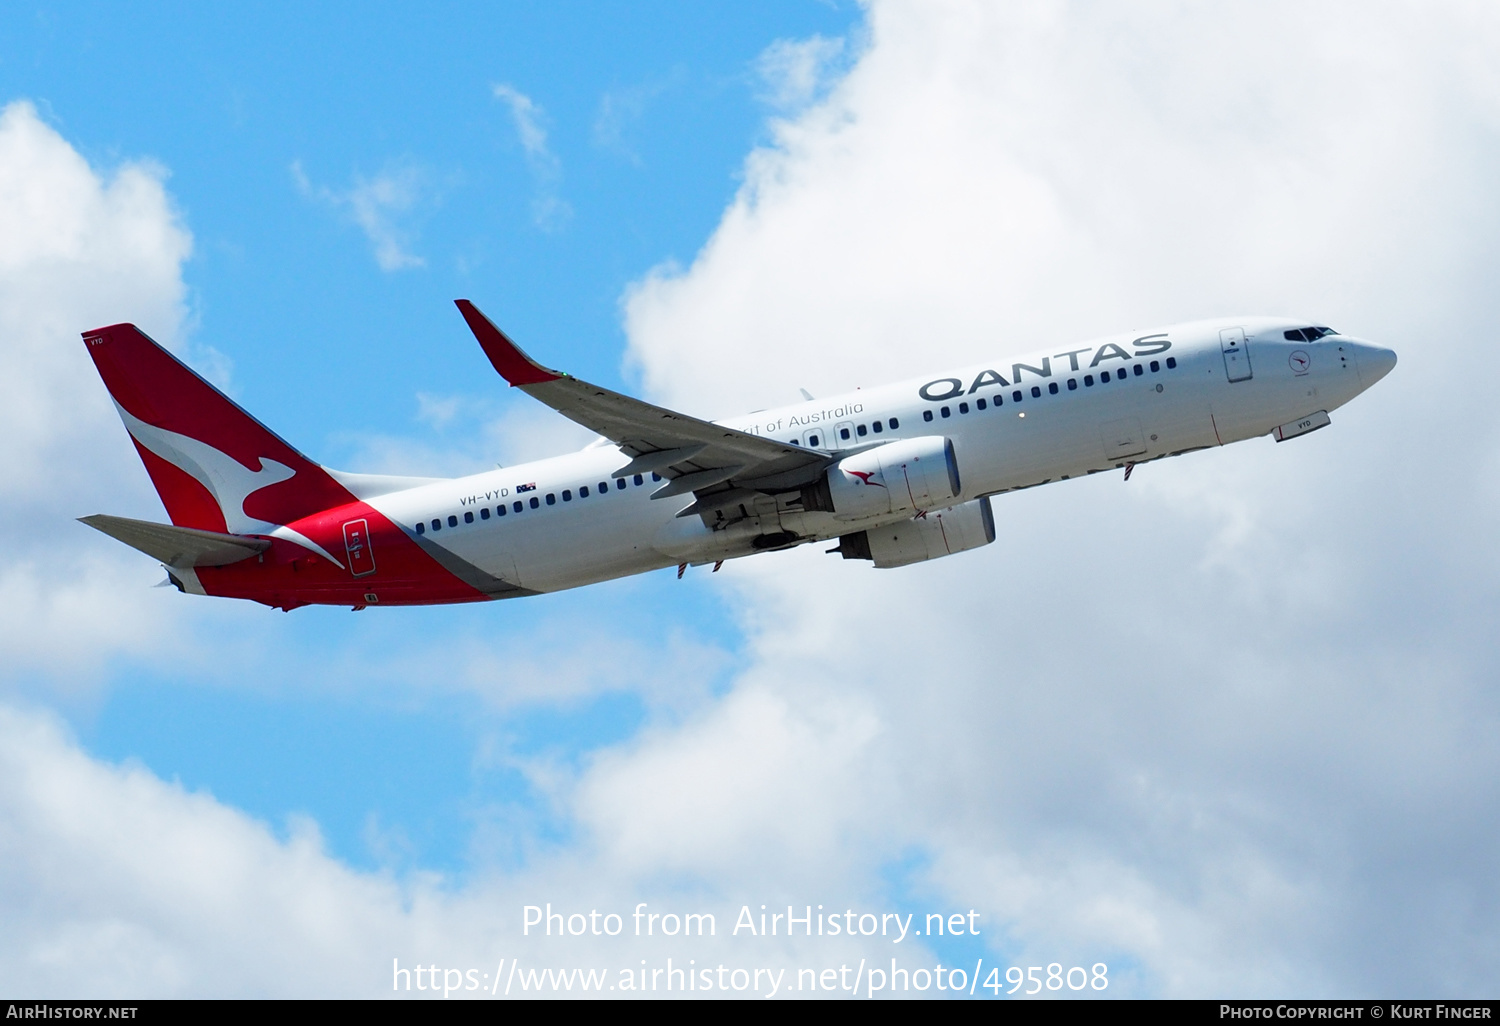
227	480
199	447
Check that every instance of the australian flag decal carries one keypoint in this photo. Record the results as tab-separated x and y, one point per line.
526	488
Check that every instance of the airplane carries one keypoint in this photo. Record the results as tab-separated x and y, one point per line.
895	475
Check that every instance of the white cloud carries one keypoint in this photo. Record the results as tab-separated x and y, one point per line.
377	205
797	71
621	107
549	211
729	797
618	108
467	435
1195	723
437	411
117	883
527	117
78	250
1228	727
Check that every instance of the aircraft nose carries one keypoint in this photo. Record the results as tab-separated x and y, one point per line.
1374	362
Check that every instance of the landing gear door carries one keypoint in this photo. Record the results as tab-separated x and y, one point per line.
1236	354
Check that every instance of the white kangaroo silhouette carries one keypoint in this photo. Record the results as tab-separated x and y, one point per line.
228	480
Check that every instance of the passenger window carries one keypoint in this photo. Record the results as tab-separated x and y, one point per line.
812	440
999	400
979	404
421	527
844	434
469	517
484	514
1171	362
792	440
963	407
452	521
551	499
603	487
500	509
655	476
1036	393
517	505
639	480
1139	370
567	495
861	430
620	483
1052	387
535	502
437	525
894	423
1016	396
1088	381
583	491
927	415
1155	366
1104	375
945	412
1072	384
876	427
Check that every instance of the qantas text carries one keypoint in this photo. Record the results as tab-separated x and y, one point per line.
950	388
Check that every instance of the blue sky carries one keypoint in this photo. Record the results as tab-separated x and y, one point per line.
1229	728
648	113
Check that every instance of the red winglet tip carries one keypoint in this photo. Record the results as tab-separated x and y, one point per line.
508	359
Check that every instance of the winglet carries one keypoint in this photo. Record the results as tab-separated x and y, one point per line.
514	366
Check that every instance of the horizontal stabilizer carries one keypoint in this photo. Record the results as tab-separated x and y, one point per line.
181	547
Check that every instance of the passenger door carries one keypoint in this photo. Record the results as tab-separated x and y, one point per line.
1236	354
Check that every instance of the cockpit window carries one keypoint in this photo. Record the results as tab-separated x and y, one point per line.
1307	334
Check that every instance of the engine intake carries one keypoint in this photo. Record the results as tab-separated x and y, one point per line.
939	533
911	475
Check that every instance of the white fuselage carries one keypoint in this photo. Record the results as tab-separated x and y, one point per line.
1167	392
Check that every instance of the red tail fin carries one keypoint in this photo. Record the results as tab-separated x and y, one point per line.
215	467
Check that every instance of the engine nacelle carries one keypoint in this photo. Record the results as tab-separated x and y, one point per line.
939	533
911	475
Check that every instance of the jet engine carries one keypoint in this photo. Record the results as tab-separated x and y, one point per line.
914	474
938	533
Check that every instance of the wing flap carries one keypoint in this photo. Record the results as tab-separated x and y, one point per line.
696	481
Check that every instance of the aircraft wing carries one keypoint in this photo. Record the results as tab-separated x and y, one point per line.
718	464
